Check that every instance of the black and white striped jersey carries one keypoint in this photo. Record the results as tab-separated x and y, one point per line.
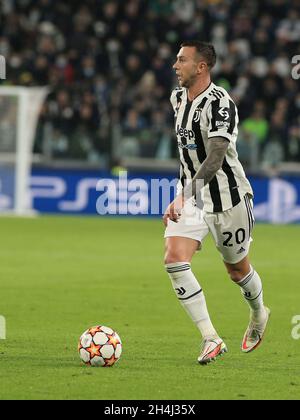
211	114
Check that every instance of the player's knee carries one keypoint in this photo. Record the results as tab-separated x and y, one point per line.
236	277
179	251
235	274
239	271
173	256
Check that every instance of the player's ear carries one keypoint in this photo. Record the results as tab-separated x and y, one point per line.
202	66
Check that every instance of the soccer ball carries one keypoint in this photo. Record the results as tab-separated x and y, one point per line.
100	346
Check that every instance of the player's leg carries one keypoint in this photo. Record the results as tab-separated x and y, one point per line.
244	275
179	253
232	233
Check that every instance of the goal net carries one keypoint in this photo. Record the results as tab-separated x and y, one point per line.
19	111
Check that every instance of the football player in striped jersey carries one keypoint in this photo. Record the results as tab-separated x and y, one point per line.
214	196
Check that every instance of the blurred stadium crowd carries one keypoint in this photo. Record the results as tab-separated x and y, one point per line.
109	63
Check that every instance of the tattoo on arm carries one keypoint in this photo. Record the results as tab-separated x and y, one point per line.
217	148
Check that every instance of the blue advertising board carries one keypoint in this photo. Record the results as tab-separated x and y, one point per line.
7	187
277	200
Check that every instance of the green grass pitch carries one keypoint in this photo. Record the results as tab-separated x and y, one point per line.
60	276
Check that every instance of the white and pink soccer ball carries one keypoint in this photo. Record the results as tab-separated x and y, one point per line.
100	346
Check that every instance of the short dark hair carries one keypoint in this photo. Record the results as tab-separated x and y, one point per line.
206	50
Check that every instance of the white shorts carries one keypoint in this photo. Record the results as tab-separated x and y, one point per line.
231	229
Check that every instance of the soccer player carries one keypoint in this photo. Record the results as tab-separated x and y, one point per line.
213	196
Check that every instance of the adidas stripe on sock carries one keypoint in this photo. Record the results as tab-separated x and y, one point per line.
252	290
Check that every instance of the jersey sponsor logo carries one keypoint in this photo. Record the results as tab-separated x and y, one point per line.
184	132
222	124
222	116
224	112
187	146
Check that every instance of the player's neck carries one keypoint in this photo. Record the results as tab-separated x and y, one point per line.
198	88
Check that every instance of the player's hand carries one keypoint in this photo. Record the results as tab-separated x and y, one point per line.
174	210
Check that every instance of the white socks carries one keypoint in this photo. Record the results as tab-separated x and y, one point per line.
252	290
191	297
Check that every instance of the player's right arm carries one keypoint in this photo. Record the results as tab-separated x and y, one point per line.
217	149
222	122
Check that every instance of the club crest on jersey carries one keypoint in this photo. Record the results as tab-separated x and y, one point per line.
197	115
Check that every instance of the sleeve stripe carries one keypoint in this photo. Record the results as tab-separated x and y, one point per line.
233	118
233	187
215	105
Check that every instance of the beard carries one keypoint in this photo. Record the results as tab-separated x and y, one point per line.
188	82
